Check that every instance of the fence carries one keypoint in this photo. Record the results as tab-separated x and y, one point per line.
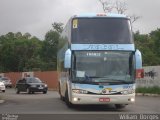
49	77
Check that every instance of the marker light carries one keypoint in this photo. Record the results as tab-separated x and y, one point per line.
101	14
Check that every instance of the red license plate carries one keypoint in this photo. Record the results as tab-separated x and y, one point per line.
104	99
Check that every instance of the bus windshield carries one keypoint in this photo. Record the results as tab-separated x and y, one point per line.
103	66
101	30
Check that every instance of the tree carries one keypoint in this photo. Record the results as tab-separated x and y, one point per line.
155	35
106	5
50	46
58	27
118	7
149	45
27	35
22	52
17	50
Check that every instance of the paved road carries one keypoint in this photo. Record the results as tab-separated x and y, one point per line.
51	104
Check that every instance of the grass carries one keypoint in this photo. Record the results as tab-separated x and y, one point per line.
151	90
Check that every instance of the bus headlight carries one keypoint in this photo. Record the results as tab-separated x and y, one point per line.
75	99
79	91
131	99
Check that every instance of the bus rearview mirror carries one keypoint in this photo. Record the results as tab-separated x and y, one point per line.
139	68
138	57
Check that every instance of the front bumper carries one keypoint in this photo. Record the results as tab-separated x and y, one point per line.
95	99
37	89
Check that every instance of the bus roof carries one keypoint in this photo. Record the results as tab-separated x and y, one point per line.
91	15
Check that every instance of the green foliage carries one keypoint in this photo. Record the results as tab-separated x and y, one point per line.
149	45
50	47
22	52
152	90
17	50
58	27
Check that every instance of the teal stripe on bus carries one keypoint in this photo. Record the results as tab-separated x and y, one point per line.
123	47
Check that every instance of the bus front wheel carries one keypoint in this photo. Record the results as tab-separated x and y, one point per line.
120	106
69	104
61	97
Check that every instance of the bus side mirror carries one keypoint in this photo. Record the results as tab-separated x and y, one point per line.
67	59
139	68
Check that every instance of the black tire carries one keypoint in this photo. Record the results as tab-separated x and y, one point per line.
61	97
68	103
44	92
28	91
3	91
17	91
120	106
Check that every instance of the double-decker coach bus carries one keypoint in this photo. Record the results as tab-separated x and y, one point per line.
97	60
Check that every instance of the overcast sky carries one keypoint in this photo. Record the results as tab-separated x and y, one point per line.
36	16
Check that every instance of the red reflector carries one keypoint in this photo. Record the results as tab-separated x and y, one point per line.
139	73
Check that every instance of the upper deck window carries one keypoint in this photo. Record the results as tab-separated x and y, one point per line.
101	31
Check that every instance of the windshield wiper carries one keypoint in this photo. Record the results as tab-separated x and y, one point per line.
106	80
124	81
84	82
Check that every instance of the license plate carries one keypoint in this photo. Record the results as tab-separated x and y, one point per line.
104	99
40	87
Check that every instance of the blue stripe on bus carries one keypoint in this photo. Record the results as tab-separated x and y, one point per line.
124	47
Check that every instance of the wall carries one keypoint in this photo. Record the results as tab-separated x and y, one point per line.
14	76
49	77
151	77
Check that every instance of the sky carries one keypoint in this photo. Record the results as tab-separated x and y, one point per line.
36	16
